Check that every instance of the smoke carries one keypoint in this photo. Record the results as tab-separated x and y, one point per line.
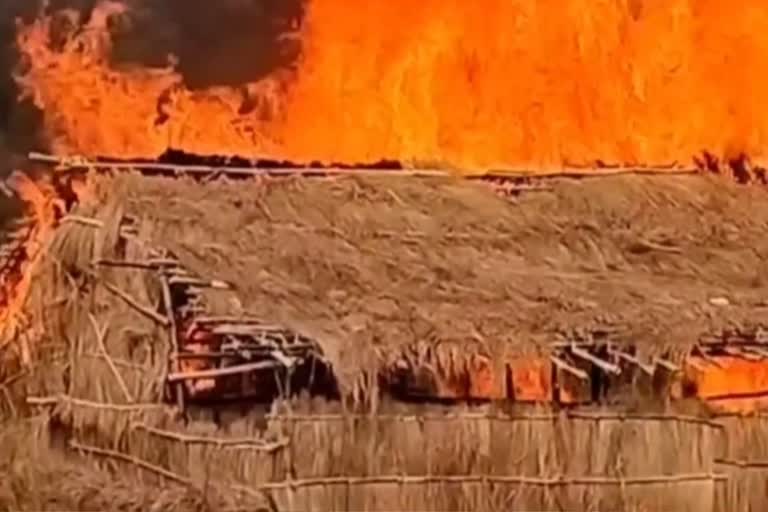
20	122
229	42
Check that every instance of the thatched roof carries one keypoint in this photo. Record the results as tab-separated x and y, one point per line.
370	265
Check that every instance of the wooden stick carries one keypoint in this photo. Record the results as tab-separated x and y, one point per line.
247	329
199	283
758	351
101	333
669	365
755	464
56	400
79	219
574	172
603	365
647	368
249	443
124	264
120	363
495	479
173	340
223	372
577	372
147	466
546	417
9	400
742	353
149	313
706	358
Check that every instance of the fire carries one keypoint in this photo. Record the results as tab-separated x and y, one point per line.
491	83
43	207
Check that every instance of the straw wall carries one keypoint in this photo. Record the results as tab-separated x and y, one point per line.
474	459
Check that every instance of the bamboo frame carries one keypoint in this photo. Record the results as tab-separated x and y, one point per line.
100	333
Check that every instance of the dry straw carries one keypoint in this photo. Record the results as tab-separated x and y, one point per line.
371	268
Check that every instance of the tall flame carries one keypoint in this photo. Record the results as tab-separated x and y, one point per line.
43	206
487	83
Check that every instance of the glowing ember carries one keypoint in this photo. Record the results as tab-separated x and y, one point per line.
501	83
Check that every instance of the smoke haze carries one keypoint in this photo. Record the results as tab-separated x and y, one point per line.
230	43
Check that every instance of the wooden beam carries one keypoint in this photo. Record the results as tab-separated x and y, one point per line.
647	368
76	163
199	283
759	351
562	365
742	353
668	365
600	363
223	372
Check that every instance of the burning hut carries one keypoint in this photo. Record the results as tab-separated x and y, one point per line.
276	339
246	335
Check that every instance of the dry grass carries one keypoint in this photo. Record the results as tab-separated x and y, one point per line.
405	457
369	267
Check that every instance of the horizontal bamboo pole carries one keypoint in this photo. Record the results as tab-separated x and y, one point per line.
496	479
65	399
746	464
319	418
576	172
223	372
544	417
249	443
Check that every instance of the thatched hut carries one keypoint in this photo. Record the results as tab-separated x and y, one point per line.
398	288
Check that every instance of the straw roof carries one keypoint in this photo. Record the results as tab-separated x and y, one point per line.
369	266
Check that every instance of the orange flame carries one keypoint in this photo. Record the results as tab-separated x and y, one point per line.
43	206
490	83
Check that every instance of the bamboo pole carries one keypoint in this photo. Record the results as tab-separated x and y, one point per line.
577	372
174	342
603	365
48	401
223	372
497	479
567	172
